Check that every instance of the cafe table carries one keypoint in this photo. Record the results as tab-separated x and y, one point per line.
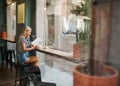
9	53
8	40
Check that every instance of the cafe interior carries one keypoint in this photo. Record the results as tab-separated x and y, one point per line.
72	36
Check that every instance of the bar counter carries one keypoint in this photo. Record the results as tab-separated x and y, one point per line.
60	54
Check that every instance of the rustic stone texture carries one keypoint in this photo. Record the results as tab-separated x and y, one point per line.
67	42
11	23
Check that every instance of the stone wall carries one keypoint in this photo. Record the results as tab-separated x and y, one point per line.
11	24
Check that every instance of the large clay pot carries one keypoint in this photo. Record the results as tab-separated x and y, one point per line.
76	51
81	79
3	35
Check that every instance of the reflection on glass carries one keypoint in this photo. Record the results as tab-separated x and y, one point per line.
61	20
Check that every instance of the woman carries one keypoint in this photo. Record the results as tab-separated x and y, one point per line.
24	47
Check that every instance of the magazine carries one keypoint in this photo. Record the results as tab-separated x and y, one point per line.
36	41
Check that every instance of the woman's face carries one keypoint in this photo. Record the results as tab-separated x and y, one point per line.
28	33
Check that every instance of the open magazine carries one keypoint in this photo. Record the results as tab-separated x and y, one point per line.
36	41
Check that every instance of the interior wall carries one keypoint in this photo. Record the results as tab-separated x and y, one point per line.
113	54
114	48
21	25
2	17
2	13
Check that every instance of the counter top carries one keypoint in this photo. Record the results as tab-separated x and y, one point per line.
60	54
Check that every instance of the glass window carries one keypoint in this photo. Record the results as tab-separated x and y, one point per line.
62	22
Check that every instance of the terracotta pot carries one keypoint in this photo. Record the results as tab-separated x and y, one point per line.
14	37
76	51
80	79
3	35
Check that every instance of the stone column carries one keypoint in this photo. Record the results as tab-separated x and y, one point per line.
40	27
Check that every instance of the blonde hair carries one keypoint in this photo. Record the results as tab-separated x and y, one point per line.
24	30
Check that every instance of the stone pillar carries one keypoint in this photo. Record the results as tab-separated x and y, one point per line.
40	28
11	24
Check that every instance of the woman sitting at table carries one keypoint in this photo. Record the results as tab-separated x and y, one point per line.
24	47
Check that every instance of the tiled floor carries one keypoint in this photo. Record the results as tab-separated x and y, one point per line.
57	76
51	75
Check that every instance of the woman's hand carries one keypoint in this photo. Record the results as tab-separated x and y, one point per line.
31	45
34	47
37	46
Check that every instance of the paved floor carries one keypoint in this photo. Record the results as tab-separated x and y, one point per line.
57	76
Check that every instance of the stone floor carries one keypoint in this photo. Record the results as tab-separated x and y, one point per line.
57	76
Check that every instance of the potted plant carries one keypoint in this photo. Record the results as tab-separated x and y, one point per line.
81	78
80	10
3	33
82	41
94	72
76	47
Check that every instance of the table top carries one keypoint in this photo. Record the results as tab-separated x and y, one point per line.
9	40
56	52
60	54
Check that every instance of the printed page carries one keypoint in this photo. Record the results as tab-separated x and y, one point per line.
36	41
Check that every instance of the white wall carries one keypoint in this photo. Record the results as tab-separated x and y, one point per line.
11	24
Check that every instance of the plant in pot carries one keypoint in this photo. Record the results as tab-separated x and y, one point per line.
3	33
82	42
80	10
76	47
94	72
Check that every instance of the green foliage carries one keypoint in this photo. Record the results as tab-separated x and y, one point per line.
3	26
82	37
80	9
